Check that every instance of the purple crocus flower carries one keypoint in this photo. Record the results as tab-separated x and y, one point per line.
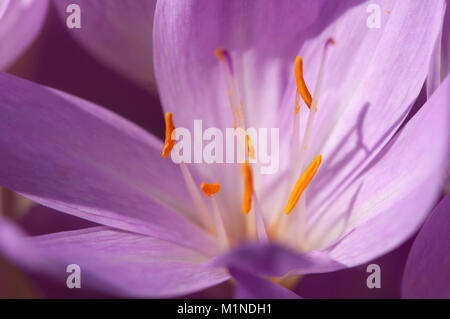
20	23
377	181
427	272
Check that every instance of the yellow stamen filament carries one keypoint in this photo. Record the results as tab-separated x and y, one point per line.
237	108
248	189
259	221
169	142
302	89
232	90
210	189
302	183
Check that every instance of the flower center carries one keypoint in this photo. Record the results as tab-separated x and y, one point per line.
297	159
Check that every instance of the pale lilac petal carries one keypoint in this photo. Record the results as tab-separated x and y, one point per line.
252	287
378	210
118	33
394	195
73	156
359	115
371	81
262	38
427	272
20	23
113	260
